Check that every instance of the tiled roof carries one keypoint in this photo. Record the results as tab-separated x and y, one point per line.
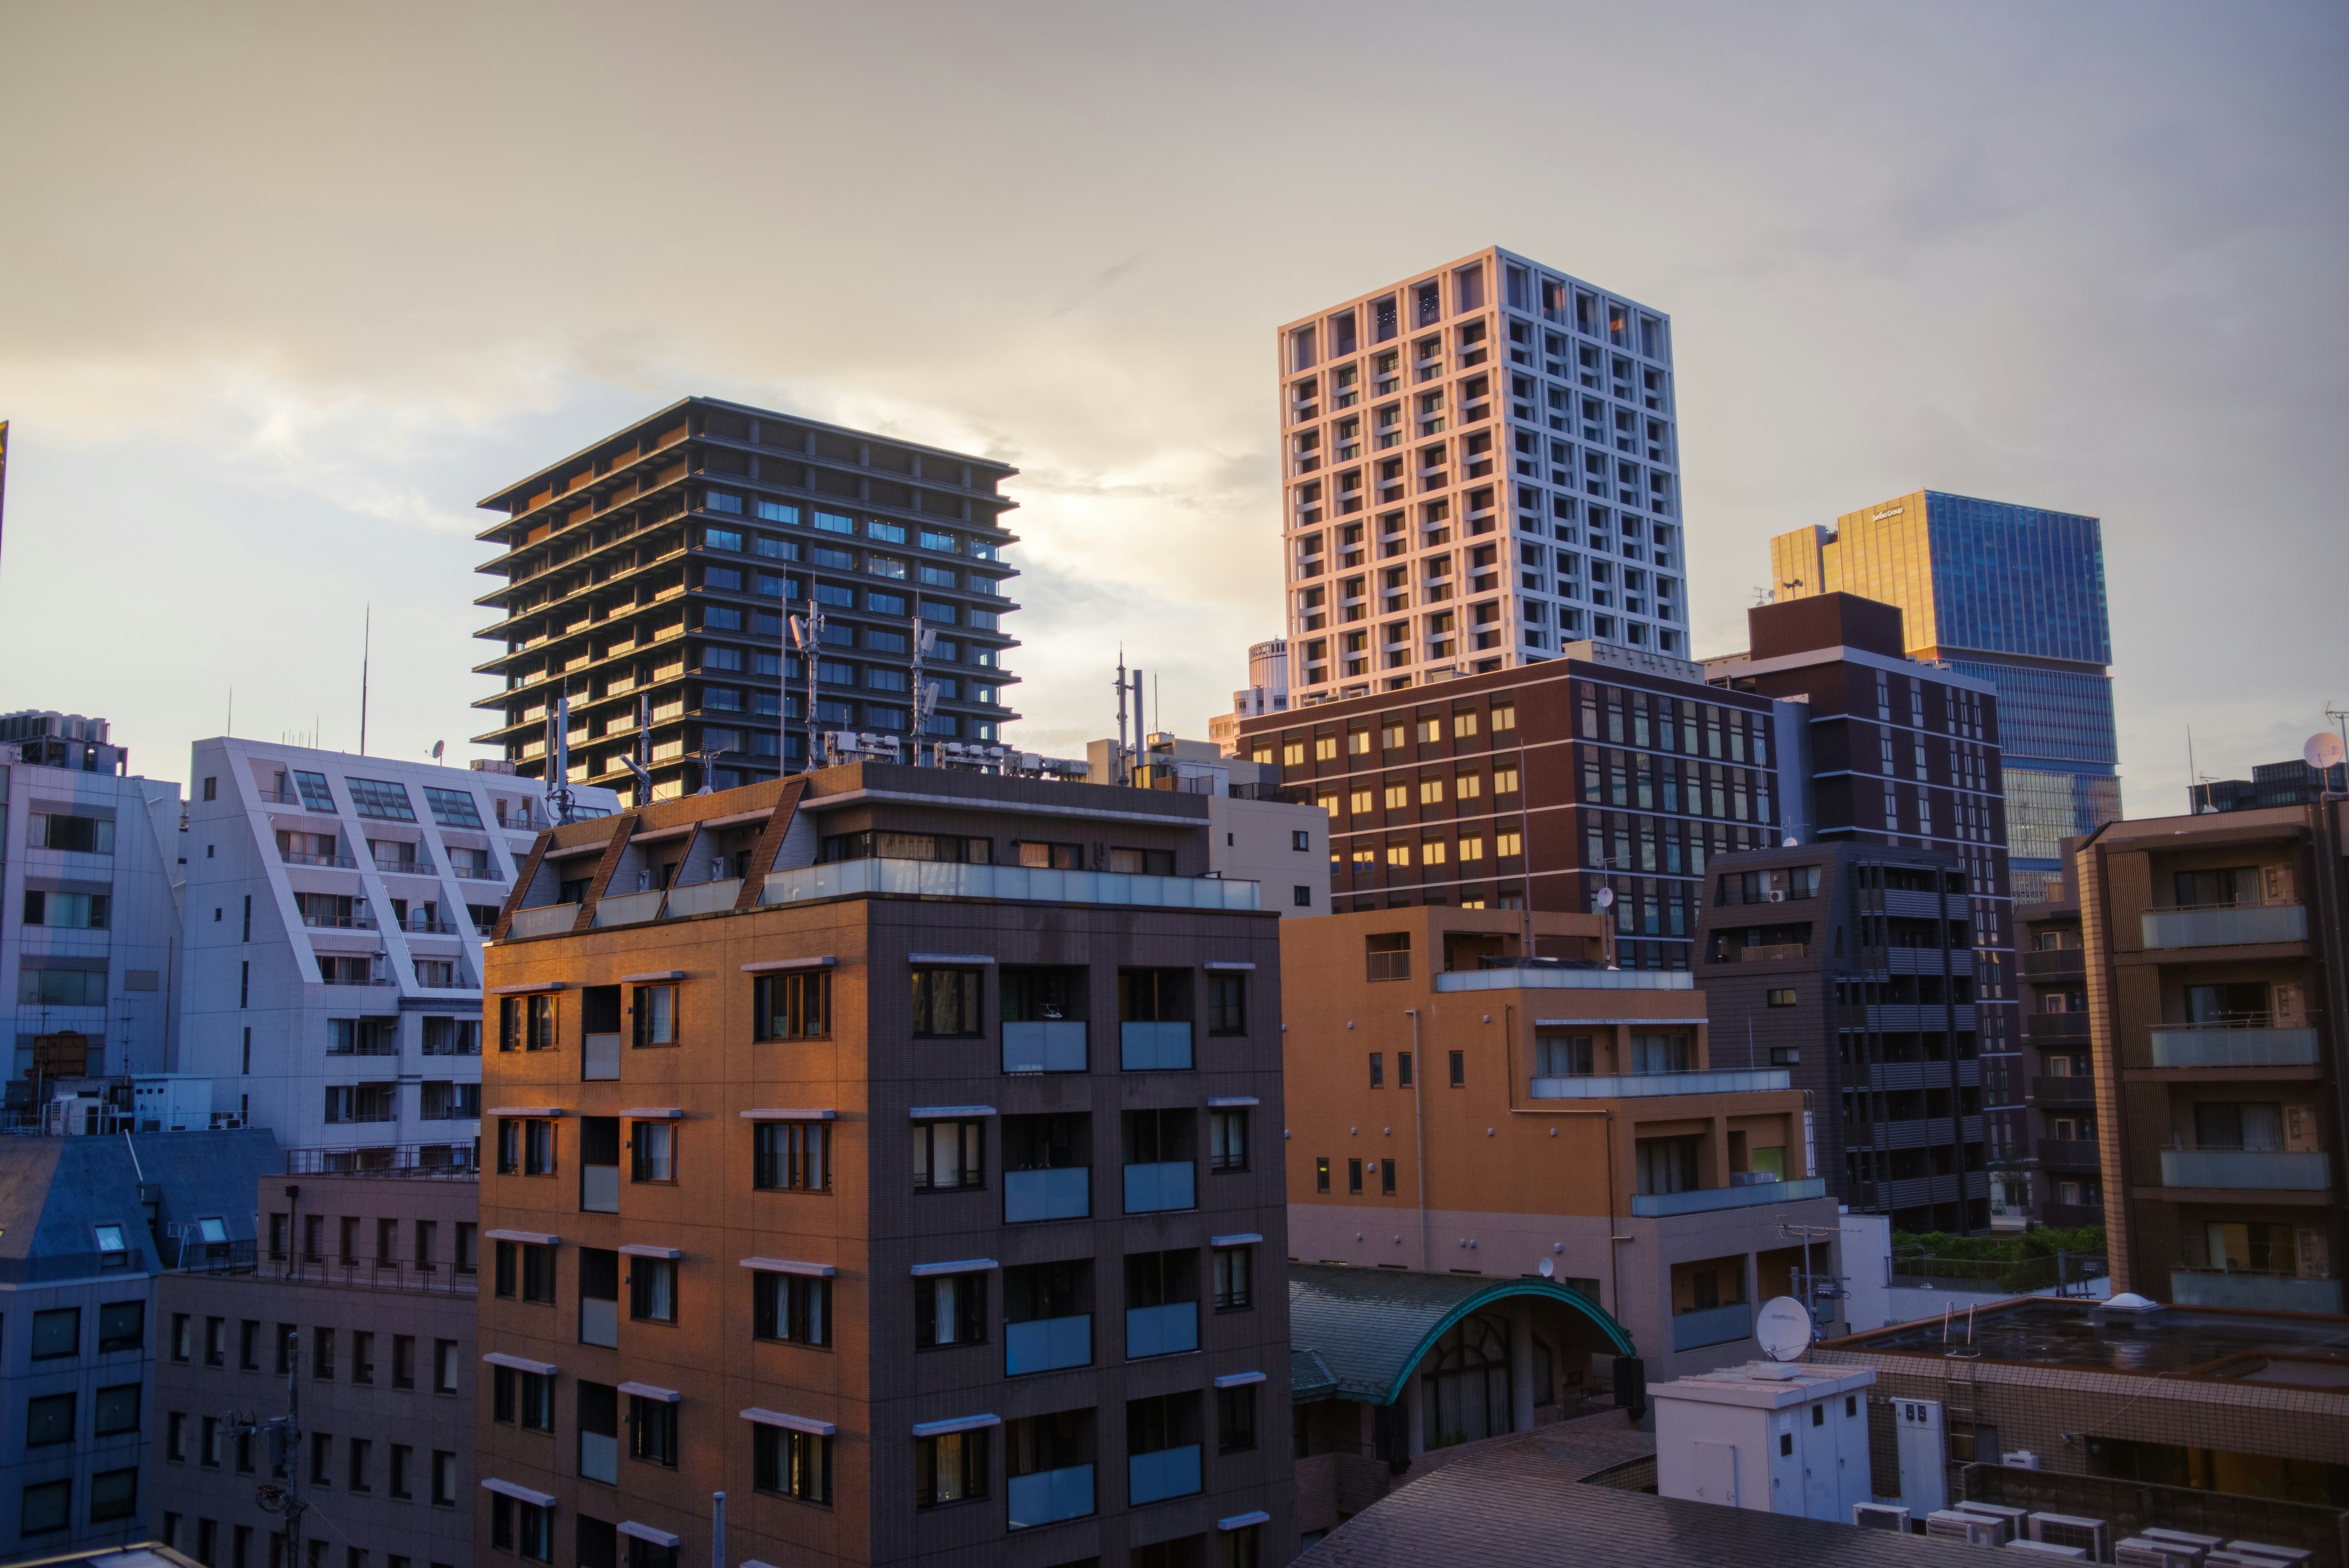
1370	1327
1309	1378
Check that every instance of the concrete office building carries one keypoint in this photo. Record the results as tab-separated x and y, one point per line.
1266	693
1458	1108
647	575
87	1227
904	1256
89	913
2011	595
2213	950
1480	463
1904	754
360	1289
1607	769
336	909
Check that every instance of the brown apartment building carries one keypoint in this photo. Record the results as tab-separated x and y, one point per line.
2213	950
2053	972
896	1151
1461	1109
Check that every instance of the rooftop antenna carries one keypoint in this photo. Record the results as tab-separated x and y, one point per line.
558	758
925	692
366	642
1117	763
2194	776
807	635
640	765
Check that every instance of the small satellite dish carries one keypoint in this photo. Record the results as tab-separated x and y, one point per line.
1606	898
1793	842
1781	1329
2323	751
1548	1269
438	747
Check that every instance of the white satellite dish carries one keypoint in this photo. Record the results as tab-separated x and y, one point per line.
1606	897
2323	751
1548	1268
1793	842
1781	1329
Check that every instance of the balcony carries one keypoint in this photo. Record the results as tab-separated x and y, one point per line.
1159	1188
544	920
2257	1169
1159	1047
2056	1028
2076	1090
1045	1045
1644	1085
599	1188
417	926
1064	1194
1047	1497
2256	1292
599	1456
2054	963
1169	1330
2068	1154
296	857
1771	953
360	922
599	1322
1048	1345
627	909
2225	926
702	898
2233	1046
1011	884
1714	1326
1543	977
1169	1473
599	1057
1711	1200
386	866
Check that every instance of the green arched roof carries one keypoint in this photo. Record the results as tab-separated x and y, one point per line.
1370	1327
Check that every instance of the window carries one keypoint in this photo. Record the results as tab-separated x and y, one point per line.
403	1360
949	1155
950	1467
468	1247
652	1431
402	1482
524	1399
1228	1138
656	1015
359	1453
113	1494
1353	1176
56	1332
1143	862
216	1341
792	1464
652	1290
1562	1055
1781	996
121	1325
381	799
48	1420
950	1309
444	1477
1459	1068
116	1410
1321	1174
322	1354
945	1003
526	1022
793	1005
1227	1000
1049	856
451	807
791	1156
1236	1419
1234	1278
527	1268
525	1145
1240	1548
519	1527
81	835
45	1507
794	1308
653	1152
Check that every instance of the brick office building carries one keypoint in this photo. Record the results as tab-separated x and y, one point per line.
811	1181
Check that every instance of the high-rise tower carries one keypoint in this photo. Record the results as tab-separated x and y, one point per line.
2011	595
1480	463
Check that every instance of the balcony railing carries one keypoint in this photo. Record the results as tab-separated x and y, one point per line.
243	1259
2240	1289
403	868
1048	1345
2068	1153
424	928
2233	1046
1159	1188
1169	1473
2054	963
2264	1169
2076	1090
2056	1028
1638	1085
599	1456
2225	926
599	1057
627	909
1044	1045
1046	1497
1711	1325
1155	1047
340	922
1021	884
599	1188
1169	1330
452	1162
702	898
543	920
1706	1199
296	857
1064	1192
1539	977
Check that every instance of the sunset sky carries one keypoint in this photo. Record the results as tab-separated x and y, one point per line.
283	289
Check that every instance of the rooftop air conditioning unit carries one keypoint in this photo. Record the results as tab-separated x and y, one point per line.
2137	1552
2093	1536
2044	1549
1881	1516
1949	1524
2011	1520
2263	1552
2168	1536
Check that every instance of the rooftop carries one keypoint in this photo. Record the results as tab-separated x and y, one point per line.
2276	1348
1361	1331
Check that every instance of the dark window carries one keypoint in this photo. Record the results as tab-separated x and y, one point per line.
1235	1269
950	1467
48	1420
116	1410
950	1309
1049	856
45	1507
1228	1138
656	1016
113	1494
796	1308
791	1156
1459	1068
945	1003
792	1464
1226	1004
1236	1419
57	1333
652	1431
793	1005
652	1290
121	1325
1322	1175
1155	995
949	1155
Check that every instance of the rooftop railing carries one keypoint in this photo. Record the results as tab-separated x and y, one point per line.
936	880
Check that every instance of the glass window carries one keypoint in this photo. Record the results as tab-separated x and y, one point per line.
791	1156
452	808
792	1307
381	799
121	1325
56	1332
792	1464
794	1005
945	1003
656	1015
951	1466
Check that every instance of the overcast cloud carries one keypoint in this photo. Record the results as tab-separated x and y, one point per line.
283	289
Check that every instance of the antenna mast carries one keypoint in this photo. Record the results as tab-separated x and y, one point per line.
366	644
925	692
558	757
1117	761
807	630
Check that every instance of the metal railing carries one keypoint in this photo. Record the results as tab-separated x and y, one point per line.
340	922
2251	1041
1638	1085
296	857
245	1260
447	1162
1705	1199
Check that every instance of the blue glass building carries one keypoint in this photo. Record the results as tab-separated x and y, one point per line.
2014	596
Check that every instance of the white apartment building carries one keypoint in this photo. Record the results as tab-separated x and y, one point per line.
89	919
334	910
1481	462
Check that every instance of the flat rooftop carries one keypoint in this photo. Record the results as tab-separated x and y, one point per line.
2277	1348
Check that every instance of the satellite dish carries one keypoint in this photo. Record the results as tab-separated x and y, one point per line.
1606	898
438	747
2322	752
1781	1329
1793	842
1548	1268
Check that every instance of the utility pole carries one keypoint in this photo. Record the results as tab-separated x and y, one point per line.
558	757
641	763
282	1497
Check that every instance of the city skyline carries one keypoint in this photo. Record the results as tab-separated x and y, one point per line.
317	418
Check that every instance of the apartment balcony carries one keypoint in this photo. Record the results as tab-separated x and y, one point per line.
2076	1090
1047	1497
403	868
340	862
1064	1192
599	1057
2071	1216
1543	977
279	798
340	922
599	1187
2047	964
625	909
1773	952
1712	1326
1711	1200
2243	1291
1169	1473
543	920
2225	926
2056	1028
1163	1046
1007	884
1645	1084
1045	1045
702	898
423	928
2247	1170
599	1455
1169	1330
2068	1154
2233	1046
1049	1343
1160	1187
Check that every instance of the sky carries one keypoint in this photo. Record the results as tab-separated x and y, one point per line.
283	290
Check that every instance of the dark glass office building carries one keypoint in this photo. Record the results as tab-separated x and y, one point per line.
2011	595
